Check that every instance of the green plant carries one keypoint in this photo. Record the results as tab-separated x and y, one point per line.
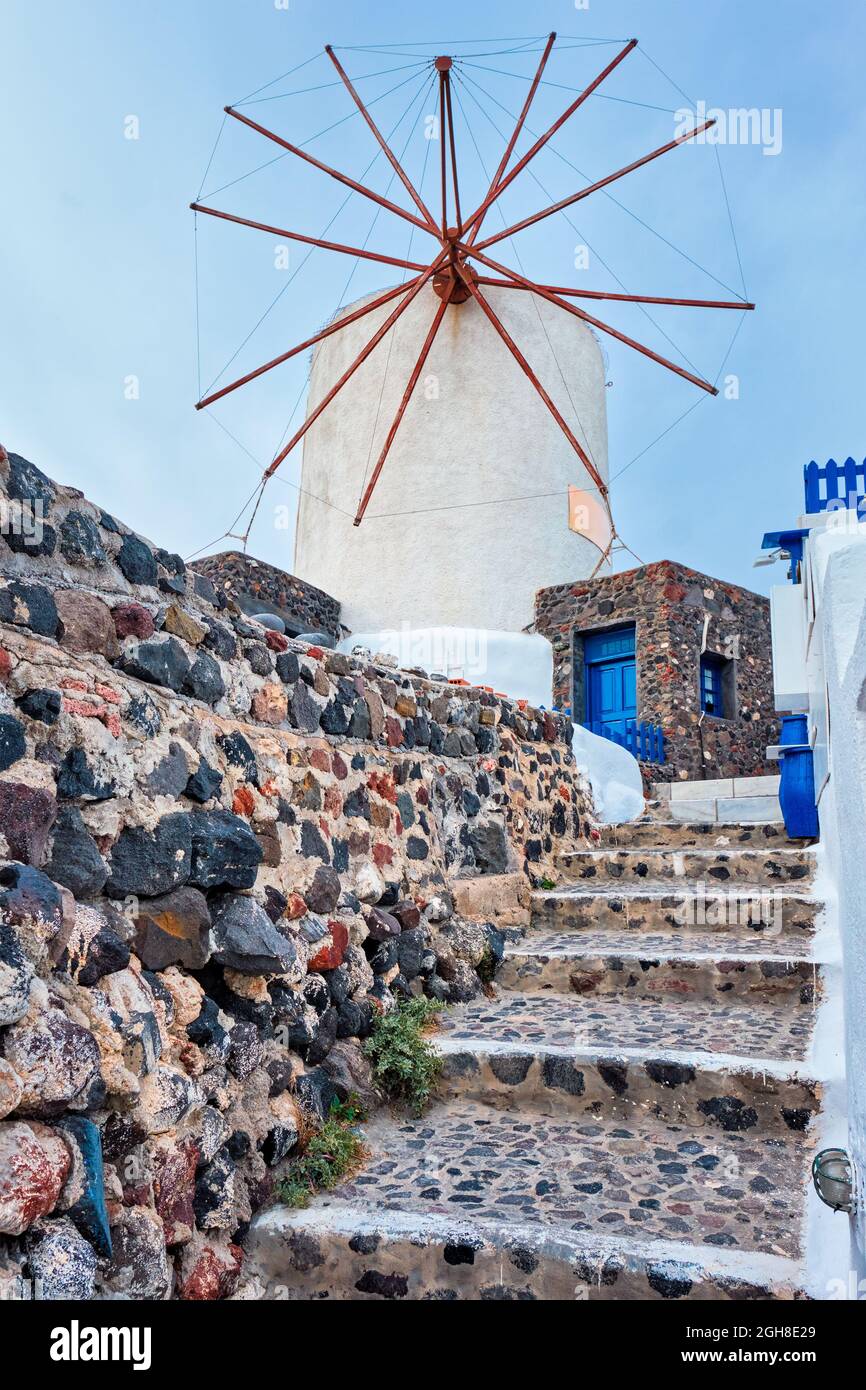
486	967
546	884
405	1064
329	1155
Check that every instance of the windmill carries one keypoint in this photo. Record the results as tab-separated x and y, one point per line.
460	270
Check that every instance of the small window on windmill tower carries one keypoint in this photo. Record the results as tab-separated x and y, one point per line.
717	686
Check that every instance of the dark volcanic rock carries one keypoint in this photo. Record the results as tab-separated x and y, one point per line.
77	779
162	661
324	892
28	483
170	776
489	842
225	852
13	744
205	681
381	924
80	540
246	940
44	705
136	561
303	711
239	754
75	860
106	953
205	782
288	667
27	895
144	715
152	862
29	605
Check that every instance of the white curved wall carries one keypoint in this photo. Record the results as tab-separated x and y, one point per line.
475	430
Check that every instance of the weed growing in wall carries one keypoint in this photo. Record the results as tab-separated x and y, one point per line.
330	1154
405	1064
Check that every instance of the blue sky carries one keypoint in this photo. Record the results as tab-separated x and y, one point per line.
97	244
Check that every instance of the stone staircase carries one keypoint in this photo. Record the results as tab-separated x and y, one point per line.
627	1118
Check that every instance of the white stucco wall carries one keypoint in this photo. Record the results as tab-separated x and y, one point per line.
839	578
426	554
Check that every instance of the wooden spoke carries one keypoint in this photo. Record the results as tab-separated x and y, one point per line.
308	240
475	226
362	357
596	323
401	409
626	298
594	187
308	342
525	367
548	134
386	149
326	169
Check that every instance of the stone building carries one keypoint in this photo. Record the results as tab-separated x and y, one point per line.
670	646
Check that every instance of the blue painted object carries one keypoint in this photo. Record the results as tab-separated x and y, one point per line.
850	476
711	685
797	784
610	679
89	1212
792	543
645	741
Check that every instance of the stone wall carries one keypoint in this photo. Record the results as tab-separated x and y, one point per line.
223	853
668	603
256	587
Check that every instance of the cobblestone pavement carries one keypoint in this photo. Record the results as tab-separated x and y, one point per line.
545	1020
646	1178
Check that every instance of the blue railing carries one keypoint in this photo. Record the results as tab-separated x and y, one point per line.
843	482
645	741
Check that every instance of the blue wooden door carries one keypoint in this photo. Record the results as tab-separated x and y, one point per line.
611	679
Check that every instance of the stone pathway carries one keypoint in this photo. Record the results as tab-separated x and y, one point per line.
628	1117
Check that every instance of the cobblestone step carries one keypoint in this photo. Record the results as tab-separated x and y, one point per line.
741	909
613	1024
723	1090
650	832
714	866
647	1177
345	1251
564	963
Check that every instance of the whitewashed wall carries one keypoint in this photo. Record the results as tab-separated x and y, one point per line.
836	618
432	551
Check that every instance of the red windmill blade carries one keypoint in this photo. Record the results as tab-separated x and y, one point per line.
455	280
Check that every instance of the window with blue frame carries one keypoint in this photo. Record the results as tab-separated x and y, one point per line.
713	685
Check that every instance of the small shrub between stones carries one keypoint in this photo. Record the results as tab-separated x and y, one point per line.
330	1154
405	1064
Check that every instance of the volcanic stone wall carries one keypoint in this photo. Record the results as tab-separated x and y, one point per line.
669	603
256	587
222	853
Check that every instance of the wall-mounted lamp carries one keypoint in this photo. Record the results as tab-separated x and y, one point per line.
833	1178
769	559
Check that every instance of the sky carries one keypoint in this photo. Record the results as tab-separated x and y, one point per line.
119	305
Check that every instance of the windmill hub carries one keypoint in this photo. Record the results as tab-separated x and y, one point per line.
443	64
448	279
